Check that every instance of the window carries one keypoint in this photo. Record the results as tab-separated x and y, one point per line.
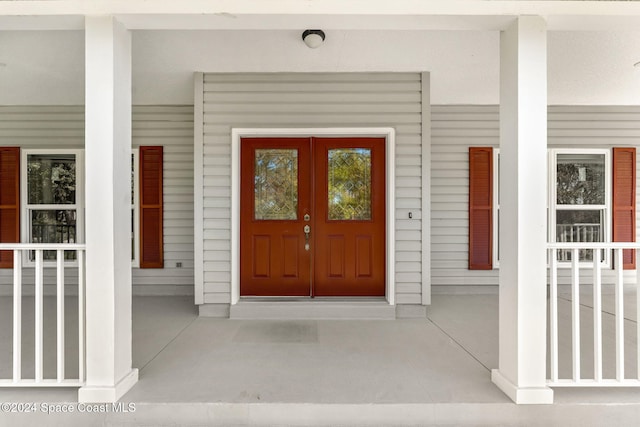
42	201
591	199
349	184
579	199
53	207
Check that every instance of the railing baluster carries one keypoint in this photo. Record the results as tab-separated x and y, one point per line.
39	300
575	313
553	314
17	315
43	258
81	325
575	250
619	290
597	316
60	312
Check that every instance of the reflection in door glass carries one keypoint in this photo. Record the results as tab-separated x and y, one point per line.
349	174
276	184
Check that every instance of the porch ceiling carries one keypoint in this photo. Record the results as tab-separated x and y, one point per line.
328	14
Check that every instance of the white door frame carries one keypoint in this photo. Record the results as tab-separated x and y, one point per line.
384	132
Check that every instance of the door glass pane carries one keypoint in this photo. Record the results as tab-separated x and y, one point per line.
349	174
580	179
51	179
579	226
53	226
276	184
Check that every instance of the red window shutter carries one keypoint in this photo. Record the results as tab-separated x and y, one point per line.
480	208
9	201
151	235
624	201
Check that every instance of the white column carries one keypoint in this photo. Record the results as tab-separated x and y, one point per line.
523	222
108	215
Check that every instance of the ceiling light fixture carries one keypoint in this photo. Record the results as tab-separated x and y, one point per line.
313	38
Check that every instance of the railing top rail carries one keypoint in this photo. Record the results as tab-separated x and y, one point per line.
42	246
594	245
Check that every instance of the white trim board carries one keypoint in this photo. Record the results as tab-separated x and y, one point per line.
385	132
198	188
426	189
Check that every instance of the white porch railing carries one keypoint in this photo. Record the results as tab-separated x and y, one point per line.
38	249
594	265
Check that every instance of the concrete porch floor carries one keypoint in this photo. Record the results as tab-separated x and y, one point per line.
434	371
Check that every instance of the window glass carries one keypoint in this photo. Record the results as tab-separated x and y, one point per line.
579	226
54	226
276	184
349	185
51	179
580	179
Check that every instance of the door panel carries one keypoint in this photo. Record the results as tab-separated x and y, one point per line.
333	186
274	199
364	253
349	239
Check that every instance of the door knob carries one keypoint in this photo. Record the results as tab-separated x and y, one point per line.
307	231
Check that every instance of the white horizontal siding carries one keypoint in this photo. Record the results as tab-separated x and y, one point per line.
310	100
169	126
453	130
456	128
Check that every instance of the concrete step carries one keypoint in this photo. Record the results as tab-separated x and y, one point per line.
315	309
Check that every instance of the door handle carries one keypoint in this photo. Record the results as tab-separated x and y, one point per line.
307	232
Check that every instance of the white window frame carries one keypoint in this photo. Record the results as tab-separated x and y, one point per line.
496	209
25	208
553	206
135	260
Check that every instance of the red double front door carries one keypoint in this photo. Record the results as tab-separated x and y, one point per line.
312	217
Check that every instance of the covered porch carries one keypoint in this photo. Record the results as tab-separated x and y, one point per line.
196	370
433	370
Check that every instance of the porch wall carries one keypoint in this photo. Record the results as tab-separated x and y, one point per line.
456	128
169	126
301	100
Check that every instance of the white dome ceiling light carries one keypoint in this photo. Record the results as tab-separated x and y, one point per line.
313	38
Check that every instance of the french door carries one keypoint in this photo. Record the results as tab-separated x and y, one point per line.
312	217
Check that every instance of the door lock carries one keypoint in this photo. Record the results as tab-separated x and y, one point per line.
307	232
307	217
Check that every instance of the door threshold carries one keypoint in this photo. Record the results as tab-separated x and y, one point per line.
327	308
311	299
